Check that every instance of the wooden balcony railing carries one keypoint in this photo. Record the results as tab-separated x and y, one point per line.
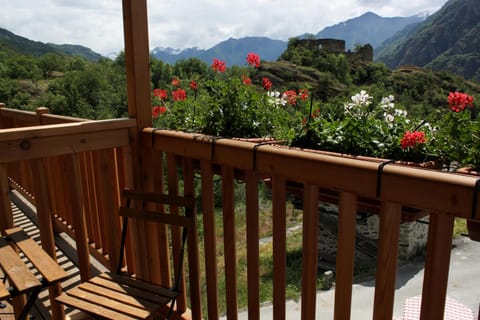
73	172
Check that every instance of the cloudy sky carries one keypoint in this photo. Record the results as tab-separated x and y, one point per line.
97	24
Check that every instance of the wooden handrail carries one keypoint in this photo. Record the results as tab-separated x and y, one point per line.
432	190
61	139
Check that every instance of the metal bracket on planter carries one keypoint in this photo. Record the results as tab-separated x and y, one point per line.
379	176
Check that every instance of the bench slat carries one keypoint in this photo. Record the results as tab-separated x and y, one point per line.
18	274
138	283
92	308
155	297
45	264
109	303
131	298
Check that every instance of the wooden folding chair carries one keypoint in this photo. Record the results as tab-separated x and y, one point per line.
119	296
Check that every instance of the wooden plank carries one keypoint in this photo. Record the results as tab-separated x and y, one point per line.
40	147
136	283
389	230
309	252
47	267
20	276
93	308
437	263
110	303
131	298
139	293
279	198
253	261
229	242
345	255
210	238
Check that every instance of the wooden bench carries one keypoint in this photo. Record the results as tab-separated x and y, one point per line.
20	277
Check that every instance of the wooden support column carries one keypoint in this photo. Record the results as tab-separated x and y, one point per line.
137	59
46	227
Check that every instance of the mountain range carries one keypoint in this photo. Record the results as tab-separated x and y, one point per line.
367	28
11	41
448	40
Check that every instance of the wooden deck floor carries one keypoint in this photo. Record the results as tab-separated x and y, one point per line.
25	217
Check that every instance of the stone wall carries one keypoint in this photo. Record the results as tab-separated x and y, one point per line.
412	239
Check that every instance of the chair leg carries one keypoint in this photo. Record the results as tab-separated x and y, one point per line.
29	304
170	310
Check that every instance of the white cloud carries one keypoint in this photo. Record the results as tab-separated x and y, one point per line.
202	23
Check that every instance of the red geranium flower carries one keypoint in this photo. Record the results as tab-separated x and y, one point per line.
291	97
193	85
179	95
246	80
158	110
303	94
412	139
160	94
175	82
218	65
458	101
253	59
266	84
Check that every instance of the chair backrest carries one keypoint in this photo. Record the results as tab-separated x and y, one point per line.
140	211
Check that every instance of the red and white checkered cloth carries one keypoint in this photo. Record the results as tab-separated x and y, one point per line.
454	310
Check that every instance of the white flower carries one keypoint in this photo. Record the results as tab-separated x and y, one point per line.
361	98
387	103
275	99
389	117
400	113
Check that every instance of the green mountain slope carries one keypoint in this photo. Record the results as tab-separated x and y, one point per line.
12	42
447	40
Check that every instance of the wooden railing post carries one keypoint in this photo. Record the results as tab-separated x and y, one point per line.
437	263
6	216
210	238
309	251
347	216
387	257
46	227
253	250
229	242
40	112
279	196
193	253
72	170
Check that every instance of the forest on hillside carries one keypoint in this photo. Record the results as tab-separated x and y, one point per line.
74	86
